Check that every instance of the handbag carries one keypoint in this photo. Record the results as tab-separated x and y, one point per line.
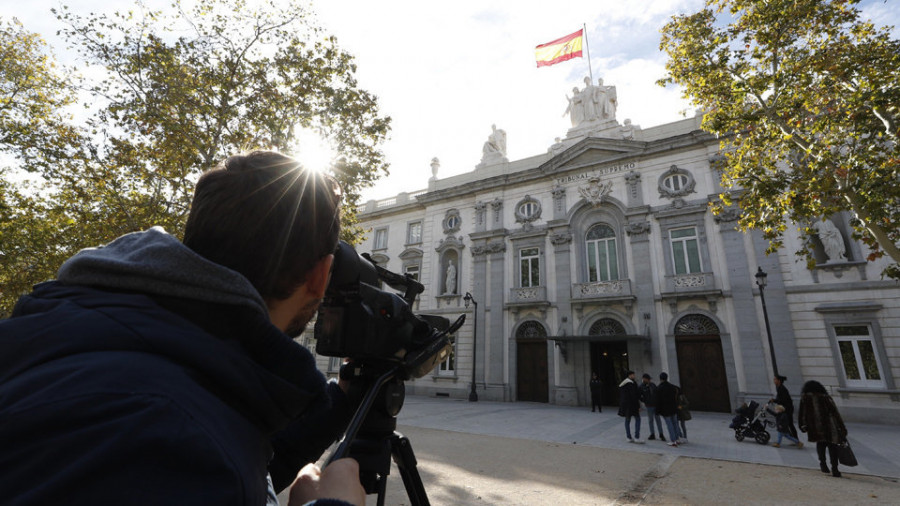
845	454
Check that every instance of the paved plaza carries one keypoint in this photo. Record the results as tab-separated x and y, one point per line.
877	447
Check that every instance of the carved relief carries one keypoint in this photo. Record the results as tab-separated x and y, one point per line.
632	179
728	214
497	206
594	192
480	209
689	281
559	198
560	238
637	228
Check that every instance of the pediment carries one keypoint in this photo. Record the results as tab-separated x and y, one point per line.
593	151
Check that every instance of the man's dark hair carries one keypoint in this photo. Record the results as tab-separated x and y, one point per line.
646	376
265	216
663	376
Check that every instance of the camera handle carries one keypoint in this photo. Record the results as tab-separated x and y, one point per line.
374	453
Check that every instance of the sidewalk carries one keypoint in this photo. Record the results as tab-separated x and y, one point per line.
877	447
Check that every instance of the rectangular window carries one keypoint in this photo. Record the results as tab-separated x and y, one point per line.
448	366
412	271
334	364
685	250
859	357
414	233
380	238
529	267
603	263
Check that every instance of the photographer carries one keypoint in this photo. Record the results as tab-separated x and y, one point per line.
157	372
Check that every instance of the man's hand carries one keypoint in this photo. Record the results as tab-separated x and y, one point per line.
340	480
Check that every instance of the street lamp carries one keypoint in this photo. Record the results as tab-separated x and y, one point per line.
473	396
761	279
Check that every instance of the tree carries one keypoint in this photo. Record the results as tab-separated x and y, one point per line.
180	90
805	97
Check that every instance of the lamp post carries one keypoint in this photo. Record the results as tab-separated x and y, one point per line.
761	280
473	396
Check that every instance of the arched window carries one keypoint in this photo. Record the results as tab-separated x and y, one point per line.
696	325
531	330
602	260
606	327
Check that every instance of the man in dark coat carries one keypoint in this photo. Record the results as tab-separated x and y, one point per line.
630	407
783	397
648	397
157	372
667	406
596	393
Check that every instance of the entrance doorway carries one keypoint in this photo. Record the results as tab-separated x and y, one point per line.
531	371
609	359
701	364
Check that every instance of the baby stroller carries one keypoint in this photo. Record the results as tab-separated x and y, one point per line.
751	421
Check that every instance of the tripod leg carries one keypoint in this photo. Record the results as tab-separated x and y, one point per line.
402	451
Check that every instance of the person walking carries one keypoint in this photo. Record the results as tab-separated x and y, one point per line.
648	397
684	414
630	407
596	393
667	406
781	426
820	420
783	398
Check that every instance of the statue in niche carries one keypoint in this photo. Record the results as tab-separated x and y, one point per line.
450	282
832	241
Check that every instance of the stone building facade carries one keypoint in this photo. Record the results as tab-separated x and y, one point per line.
602	255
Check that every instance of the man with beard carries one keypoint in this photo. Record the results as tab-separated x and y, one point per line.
153	371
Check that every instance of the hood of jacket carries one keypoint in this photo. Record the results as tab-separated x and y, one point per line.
156	263
625	382
148	293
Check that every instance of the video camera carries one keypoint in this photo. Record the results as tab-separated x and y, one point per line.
359	320
386	344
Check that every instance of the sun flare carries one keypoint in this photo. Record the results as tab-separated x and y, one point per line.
313	151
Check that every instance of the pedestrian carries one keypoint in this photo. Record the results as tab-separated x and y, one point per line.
781	426
820	420
667	406
596	393
783	398
648	397
630	407
684	414
156	371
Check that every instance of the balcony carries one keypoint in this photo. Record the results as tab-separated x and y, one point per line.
699	283
602	290
528	296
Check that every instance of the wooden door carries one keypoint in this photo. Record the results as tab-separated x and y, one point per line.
532	383
701	367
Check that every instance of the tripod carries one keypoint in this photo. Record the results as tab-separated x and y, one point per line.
371	439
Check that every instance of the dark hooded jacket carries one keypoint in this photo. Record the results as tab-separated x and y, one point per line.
820	419
629	398
147	375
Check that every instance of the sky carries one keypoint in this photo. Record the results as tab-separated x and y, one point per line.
446	71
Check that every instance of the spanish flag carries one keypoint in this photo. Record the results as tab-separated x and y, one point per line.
560	50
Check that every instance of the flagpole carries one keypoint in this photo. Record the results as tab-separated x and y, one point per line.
588	49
